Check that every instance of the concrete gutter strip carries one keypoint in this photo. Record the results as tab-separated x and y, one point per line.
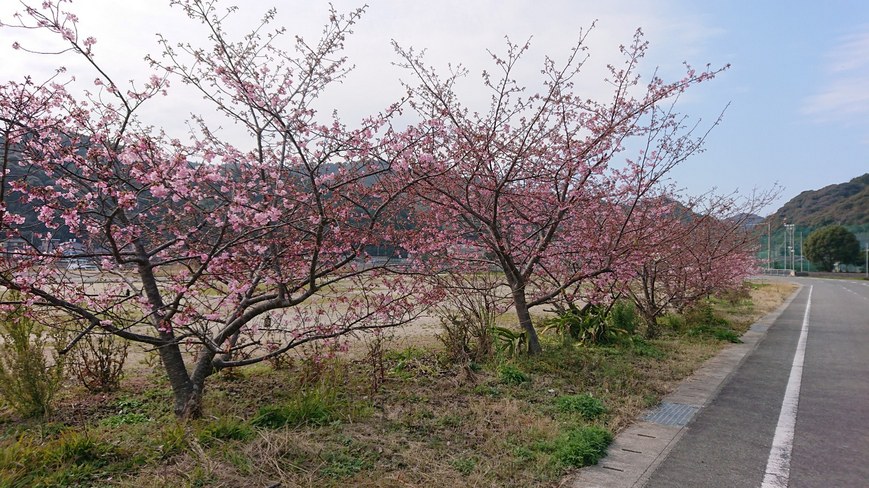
638	450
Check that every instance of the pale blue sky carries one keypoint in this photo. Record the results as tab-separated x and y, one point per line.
799	92
798	87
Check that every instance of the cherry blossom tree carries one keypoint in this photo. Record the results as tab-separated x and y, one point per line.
541	185
704	246
208	251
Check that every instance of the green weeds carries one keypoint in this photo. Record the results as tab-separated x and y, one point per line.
512	375
464	464
584	404
225	429
346	461
314	407
581	446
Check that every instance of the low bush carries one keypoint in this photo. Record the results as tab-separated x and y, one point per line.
584	404
98	360
703	315
582	446
509	342
29	379
703	321
466	339
594	324
511	375
470	306
623	317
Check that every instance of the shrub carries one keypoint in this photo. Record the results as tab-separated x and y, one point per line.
623	317
98	360
467	314
466	339
703	315
511	375
28	379
584	404
582	446
674	322
509	342
703	321
594	324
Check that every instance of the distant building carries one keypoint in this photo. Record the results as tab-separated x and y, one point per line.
14	246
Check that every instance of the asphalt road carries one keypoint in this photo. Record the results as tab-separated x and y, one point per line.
729	443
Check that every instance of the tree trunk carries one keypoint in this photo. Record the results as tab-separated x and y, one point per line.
191	404
651	321
192	408
521	305
179	379
170	351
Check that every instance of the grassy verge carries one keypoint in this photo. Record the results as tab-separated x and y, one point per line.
523	421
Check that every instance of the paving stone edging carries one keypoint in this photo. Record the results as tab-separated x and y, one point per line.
638	450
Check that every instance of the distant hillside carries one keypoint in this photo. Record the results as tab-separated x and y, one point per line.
748	220
845	204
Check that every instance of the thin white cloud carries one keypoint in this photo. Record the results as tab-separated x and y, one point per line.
453	31
844	96
852	53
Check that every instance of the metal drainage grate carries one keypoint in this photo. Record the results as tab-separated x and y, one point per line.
666	413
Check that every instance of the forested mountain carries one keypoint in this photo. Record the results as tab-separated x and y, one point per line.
845	203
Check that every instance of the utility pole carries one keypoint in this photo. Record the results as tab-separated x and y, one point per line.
802	259
785	244
789	230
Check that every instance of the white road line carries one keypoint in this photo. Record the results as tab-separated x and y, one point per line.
778	466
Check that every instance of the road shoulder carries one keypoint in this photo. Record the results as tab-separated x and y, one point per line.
638	450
